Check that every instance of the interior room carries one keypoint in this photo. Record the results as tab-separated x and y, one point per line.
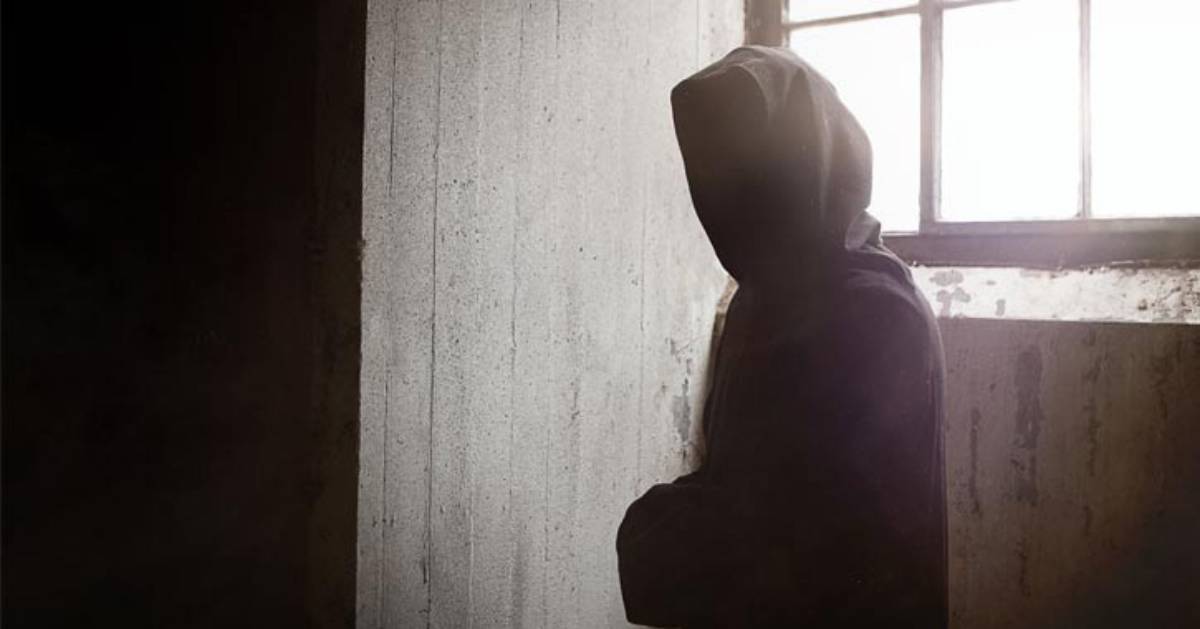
380	313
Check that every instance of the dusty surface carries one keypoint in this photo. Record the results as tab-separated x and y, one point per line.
1144	295
1073	474
538	300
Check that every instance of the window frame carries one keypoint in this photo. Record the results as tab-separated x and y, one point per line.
1054	243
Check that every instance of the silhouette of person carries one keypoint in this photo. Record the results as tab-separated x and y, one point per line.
821	499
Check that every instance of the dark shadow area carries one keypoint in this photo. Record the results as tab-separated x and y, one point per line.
181	213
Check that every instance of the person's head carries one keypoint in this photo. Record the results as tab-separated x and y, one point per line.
776	164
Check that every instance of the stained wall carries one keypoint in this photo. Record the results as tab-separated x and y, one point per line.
1073	473
537	311
1071	444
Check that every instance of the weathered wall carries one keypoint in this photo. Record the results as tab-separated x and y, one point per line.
181	211
1072	441
1073	473
537	300
1142	295
536	313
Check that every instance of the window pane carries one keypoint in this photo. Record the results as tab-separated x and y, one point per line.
1145	108
801	10
1010	111
876	67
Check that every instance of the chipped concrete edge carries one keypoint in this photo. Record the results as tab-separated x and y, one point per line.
1143	295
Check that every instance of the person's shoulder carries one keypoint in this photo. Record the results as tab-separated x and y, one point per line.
882	299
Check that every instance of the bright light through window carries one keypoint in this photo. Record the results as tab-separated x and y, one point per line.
876	67
1010	111
1015	92
1145	107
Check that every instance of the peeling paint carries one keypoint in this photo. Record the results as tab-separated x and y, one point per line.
681	408
947	278
1102	294
973	477
947	298
1028	381
1023	568
1162	367
1090	377
1093	435
1076	441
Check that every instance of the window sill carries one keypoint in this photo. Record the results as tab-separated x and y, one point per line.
1054	244
1125	295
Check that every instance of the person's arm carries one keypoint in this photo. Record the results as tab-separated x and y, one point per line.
834	457
680	547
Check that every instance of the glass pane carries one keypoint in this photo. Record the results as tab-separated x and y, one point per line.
801	10
1145	108
876	67
1010	111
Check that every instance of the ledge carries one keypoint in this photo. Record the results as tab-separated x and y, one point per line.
1134	295
1050	251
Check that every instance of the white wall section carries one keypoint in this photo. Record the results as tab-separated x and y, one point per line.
537	300
1134	295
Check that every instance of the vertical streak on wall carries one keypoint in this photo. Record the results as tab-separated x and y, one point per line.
536	136
674	337
1102	531
487	258
465	325
562	412
377	120
537	312
630	147
611	363
400	148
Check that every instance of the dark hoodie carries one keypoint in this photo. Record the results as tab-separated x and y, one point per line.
821	500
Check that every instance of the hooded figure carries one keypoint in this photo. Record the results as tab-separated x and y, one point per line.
821	499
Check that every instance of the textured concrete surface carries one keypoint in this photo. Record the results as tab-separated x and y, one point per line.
538	300
538	303
1073	473
1145	295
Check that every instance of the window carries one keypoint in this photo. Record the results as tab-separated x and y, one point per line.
1017	131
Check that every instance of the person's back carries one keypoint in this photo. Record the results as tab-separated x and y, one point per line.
821	500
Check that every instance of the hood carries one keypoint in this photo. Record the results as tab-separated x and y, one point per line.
779	169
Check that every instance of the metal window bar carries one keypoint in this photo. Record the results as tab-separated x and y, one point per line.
931	88
870	15
856	17
1085	109
931	114
767	24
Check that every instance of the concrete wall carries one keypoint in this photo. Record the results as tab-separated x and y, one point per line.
537	300
1136	295
181	332
1073	473
537	308
1072	441
181	210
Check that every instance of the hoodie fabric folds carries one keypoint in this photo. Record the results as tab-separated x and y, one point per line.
821	497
